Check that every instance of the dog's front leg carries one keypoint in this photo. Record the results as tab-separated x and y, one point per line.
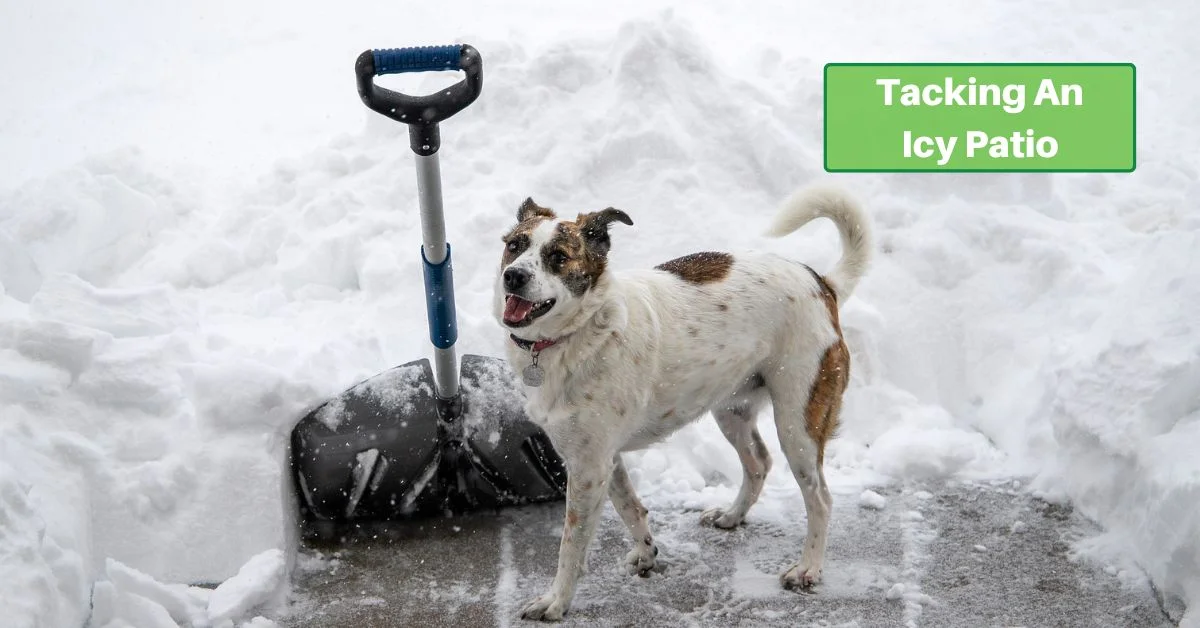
586	489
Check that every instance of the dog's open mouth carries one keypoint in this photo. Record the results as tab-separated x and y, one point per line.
518	312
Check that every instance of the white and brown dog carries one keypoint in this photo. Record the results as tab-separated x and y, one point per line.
616	361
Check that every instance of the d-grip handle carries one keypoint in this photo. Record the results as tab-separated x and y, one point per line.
421	113
416	59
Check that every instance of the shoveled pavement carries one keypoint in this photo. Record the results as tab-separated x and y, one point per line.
954	555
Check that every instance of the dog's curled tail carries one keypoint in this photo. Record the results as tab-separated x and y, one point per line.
853	226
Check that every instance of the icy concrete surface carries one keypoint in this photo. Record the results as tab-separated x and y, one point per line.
958	555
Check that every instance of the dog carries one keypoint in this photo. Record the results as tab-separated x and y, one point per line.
614	362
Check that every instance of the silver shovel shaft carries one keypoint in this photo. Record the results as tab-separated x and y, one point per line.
433	222
436	251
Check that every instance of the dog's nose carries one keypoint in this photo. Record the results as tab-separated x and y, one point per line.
515	279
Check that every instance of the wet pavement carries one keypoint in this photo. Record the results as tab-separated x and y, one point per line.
956	555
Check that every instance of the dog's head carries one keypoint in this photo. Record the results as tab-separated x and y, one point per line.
549	266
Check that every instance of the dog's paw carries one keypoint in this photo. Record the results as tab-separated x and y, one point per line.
719	518
800	577
545	608
641	560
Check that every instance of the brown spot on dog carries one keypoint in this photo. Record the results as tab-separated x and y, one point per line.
578	252
829	296
572	518
791	298
722	307
668	413
586	486
693	332
825	398
700	268
588	396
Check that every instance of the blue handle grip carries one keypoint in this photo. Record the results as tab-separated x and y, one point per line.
417	59
439	301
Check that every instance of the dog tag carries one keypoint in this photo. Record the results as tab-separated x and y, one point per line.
533	375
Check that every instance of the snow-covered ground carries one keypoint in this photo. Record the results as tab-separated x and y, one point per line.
203	232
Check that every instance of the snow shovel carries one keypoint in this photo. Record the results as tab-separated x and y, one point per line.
420	440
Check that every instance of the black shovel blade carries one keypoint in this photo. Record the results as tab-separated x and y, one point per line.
389	448
508	459
371	453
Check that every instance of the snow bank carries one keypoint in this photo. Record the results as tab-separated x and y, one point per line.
1128	416
162	326
127	433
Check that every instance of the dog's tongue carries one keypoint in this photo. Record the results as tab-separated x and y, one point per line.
516	309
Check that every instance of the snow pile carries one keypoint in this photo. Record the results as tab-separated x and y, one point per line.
1132	464
126	597
126	433
161	328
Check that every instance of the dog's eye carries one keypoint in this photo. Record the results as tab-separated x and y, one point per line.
558	258
516	245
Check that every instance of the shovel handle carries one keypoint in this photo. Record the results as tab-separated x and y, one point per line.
416	59
420	113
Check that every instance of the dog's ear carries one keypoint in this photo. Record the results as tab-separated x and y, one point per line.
530	209
594	227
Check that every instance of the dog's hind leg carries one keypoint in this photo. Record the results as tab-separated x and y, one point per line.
806	416
737	423
641	559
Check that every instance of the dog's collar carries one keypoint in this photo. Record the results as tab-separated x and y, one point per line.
536	346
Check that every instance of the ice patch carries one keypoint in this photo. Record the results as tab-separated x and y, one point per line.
750	583
506	584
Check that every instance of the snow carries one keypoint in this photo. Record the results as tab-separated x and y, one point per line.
872	500
255	583
198	243
127	596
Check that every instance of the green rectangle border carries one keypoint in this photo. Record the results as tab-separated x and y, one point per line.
825	117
